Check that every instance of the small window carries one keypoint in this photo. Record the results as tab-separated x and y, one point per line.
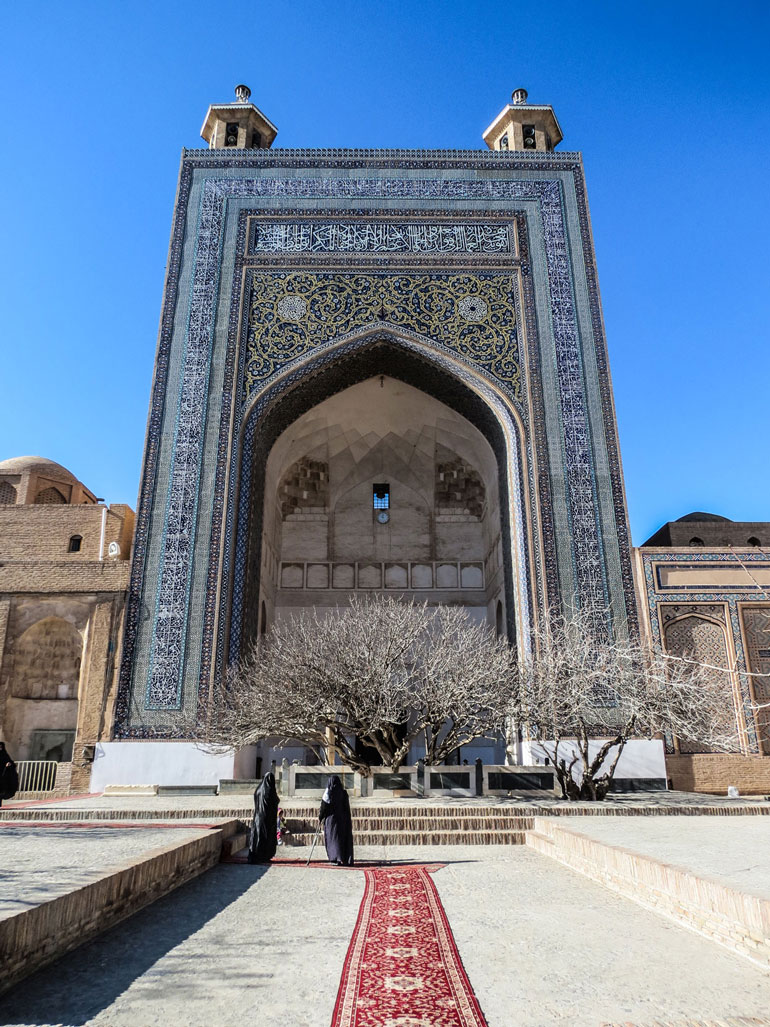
381	496
231	133
75	543
504	142
256	140
697	542
754	541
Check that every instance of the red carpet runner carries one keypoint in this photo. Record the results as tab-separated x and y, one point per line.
403	968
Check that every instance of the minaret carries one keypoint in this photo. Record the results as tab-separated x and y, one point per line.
239	125
523	126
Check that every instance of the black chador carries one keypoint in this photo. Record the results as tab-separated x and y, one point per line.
264	828
338	824
9	778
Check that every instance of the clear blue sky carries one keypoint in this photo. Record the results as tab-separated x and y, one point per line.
668	102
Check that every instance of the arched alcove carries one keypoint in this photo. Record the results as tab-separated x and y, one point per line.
50	497
381	486
485	454
702	639
41	712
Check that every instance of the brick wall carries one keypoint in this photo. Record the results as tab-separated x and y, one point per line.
714	773
52	576
44	532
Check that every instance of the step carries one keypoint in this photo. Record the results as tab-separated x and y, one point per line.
379	838
237	841
474	815
418	825
187	790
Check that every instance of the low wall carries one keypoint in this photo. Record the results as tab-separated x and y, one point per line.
36	936
735	919
713	774
157	763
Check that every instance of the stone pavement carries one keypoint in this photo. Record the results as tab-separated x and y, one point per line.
39	864
737	854
543	947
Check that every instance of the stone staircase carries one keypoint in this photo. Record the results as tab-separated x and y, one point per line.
419	825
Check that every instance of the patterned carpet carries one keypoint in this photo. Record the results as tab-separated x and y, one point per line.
402	968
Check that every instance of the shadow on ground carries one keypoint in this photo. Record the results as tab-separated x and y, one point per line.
77	987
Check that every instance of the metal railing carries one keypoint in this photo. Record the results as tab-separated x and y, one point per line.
36	777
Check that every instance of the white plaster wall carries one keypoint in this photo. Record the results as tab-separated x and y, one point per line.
157	763
641	757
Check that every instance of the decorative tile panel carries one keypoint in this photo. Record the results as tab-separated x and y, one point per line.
287	237
435	305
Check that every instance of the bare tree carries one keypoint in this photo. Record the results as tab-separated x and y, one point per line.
578	690
378	673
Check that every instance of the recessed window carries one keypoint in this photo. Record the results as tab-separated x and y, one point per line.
754	541
50	497
256	140
231	133
504	142
697	542
381	496
75	543
528	131
7	493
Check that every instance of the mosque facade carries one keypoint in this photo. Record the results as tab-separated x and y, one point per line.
377	371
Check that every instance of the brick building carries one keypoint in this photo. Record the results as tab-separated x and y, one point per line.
64	564
705	591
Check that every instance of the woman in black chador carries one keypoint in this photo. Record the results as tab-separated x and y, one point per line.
338	824
9	779
264	828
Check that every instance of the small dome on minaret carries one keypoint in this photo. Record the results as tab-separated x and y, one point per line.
524	126
239	125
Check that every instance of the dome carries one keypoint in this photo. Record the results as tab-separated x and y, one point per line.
37	465
700	516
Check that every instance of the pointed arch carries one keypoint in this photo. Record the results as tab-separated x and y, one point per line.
337	365
50	496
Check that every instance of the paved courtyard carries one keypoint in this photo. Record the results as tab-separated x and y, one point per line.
542	947
737	854
40	863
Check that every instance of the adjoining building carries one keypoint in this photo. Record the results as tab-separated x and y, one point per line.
705	592
64	565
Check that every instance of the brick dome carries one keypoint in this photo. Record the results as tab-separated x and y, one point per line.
37	465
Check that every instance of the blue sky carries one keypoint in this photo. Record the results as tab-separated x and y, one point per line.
667	101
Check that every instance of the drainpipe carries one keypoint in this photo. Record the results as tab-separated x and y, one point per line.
101	536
